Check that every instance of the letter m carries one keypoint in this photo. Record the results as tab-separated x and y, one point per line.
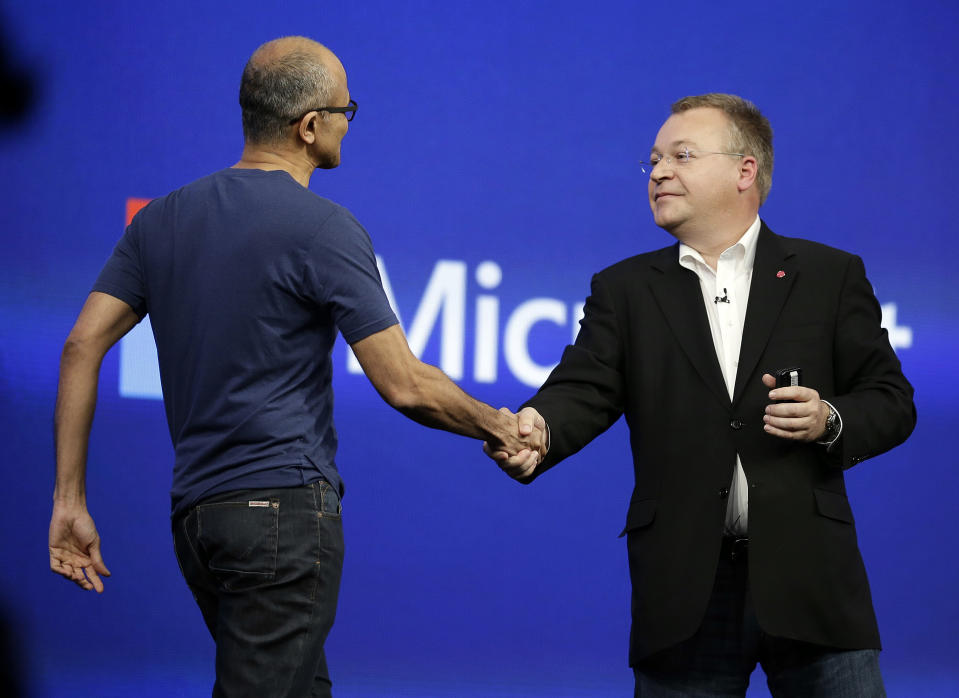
443	300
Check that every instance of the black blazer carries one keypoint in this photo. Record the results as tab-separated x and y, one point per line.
645	350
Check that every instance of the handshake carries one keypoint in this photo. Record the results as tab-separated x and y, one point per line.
522	443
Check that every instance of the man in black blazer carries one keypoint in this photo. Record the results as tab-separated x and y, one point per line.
742	544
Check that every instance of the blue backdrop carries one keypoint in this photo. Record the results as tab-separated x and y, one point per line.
494	162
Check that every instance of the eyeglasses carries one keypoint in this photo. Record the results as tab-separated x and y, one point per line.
682	157
349	112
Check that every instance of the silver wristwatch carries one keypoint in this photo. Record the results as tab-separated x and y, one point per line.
832	426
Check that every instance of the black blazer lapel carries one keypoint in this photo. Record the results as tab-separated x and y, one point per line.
678	293
774	272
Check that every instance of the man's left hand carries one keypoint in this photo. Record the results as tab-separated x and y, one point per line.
803	419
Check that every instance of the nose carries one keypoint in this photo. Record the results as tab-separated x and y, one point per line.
660	172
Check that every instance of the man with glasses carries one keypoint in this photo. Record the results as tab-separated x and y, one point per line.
741	541
247	276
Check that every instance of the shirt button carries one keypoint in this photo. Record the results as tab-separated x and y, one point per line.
736	423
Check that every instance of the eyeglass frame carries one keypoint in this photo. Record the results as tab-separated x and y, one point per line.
679	157
348	111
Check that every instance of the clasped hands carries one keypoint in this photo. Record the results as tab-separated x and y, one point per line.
520	452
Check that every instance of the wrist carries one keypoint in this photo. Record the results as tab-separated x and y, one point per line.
832	425
70	499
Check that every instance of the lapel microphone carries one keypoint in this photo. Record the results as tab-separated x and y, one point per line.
723	299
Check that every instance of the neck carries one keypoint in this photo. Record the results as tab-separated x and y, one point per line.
265	157
711	241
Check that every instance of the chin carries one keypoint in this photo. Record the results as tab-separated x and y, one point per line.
665	222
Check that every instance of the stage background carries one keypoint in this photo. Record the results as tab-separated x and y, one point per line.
487	132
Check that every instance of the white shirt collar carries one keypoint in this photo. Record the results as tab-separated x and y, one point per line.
745	246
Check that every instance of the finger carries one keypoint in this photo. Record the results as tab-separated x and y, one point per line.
796	393
68	558
790	424
520	457
94	579
516	462
495	455
524	468
527	416
789	393
78	578
787	409
769	381
781	433
61	568
82	581
530	466
798	429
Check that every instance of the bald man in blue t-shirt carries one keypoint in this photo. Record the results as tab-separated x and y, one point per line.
247	276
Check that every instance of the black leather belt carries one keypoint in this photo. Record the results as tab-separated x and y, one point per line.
735	549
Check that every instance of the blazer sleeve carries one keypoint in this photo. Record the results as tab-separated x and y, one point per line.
584	394
872	395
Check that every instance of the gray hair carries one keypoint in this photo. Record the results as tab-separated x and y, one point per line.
274	92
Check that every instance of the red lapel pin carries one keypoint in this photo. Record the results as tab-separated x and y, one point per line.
780	274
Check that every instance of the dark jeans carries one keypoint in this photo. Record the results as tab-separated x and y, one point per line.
264	567
719	658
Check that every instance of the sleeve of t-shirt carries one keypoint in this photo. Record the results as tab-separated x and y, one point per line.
341	269
122	275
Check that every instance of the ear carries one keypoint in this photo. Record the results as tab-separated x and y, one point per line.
748	169
308	126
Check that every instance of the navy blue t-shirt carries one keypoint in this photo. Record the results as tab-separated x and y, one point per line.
247	276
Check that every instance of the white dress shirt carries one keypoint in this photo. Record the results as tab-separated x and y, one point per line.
725	293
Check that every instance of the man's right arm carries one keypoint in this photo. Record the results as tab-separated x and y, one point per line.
74	542
427	395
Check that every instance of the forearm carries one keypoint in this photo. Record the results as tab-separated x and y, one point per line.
433	400
427	395
73	419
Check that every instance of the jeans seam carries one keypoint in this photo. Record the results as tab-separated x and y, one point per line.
189	540
318	508
316	576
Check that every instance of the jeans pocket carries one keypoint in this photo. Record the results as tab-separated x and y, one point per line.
239	540
329	504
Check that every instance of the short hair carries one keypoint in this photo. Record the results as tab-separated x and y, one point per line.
276	91
749	131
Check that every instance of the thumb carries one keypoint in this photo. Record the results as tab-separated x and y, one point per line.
97	559
526	417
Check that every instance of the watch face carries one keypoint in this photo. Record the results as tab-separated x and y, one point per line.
832	423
